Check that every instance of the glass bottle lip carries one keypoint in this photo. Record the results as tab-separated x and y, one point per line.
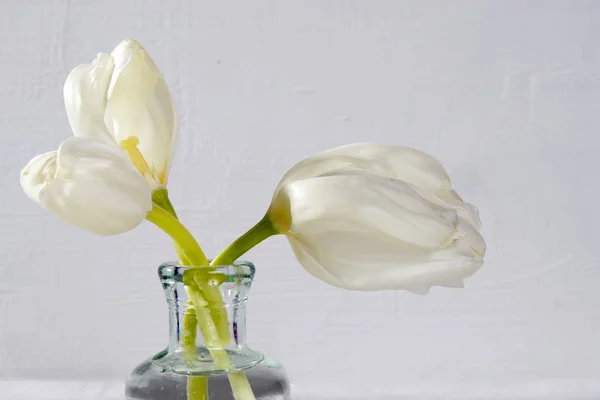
240	270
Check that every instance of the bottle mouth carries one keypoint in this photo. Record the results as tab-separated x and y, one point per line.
241	272
231	284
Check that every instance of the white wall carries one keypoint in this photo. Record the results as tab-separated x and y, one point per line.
505	93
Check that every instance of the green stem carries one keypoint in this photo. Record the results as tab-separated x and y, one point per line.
211	293
207	327
259	232
240	386
189	327
184	239
190	253
197	388
160	197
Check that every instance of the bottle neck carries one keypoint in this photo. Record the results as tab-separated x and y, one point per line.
207	319
228	317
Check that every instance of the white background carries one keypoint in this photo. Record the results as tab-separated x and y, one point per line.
505	93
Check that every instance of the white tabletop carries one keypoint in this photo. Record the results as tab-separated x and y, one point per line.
113	390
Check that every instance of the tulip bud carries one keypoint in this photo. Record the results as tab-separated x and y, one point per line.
90	184
123	98
372	217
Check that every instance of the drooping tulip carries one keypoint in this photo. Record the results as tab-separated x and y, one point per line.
90	184
423	172
122	98
371	217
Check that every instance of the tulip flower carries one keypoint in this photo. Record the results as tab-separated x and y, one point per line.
369	217
373	217
423	172
367	232
112	175
90	184
123	99
120	110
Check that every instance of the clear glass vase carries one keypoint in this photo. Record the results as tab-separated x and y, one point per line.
167	375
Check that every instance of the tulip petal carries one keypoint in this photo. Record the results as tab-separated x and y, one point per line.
410	165
85	97
367	232
426	174
36	172
366	260
389	206
140	105
90	184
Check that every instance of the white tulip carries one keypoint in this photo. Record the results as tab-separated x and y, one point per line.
372	217
90	184
426	174
122	98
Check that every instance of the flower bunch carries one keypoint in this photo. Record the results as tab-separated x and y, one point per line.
364	216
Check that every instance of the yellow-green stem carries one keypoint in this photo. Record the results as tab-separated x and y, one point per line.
188	335
259	232
215	303
192	252
184	239
240	386
160	197
207	327
212	294
197	388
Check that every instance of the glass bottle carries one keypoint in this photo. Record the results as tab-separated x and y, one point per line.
165	376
